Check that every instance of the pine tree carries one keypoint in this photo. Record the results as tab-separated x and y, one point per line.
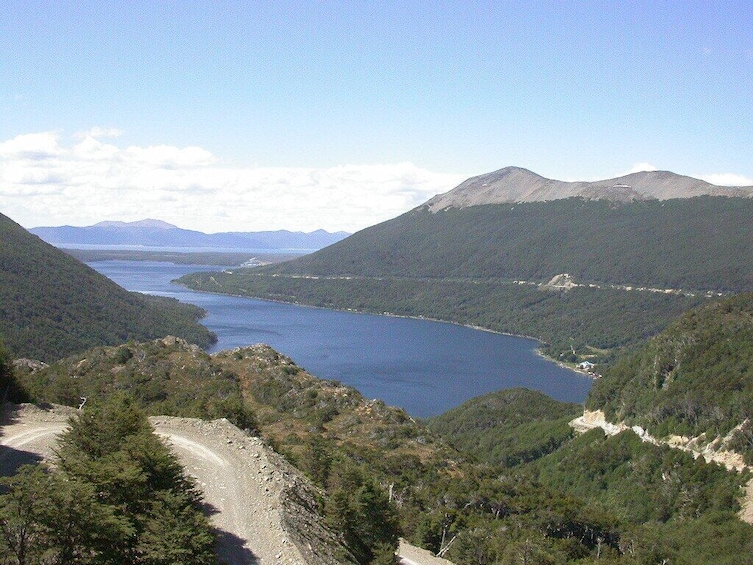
117	495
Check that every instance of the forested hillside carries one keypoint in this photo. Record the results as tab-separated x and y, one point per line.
51	305
694	378
165	376
508	427
701	243
635	265
571	500
665	505
587	320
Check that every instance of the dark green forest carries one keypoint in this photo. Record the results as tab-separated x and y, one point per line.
508	427
503	475
51	305
585	319
639	265
694	378
700	243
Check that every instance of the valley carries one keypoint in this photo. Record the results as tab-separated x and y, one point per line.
657	295
422	366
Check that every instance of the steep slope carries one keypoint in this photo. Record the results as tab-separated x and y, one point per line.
703	243
51	305
637	250
694	379
513	184
373	462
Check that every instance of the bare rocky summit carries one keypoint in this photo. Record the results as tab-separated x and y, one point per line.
514	184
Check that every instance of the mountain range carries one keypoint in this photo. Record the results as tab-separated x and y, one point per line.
156	233
666	231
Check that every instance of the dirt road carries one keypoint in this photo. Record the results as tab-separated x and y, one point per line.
732	461
242	481
261	506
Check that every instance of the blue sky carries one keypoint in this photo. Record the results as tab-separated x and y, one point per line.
300	115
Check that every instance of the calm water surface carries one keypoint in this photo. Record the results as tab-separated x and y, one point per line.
425	367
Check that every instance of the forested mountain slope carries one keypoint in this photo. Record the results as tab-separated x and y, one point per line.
51	305
669	505
695	378
635	266
638	251
703	243
508	427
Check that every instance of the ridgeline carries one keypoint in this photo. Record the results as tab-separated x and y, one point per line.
51	305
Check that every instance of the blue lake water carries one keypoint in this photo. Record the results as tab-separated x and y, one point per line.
422	366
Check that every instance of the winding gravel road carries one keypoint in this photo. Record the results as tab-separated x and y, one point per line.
241	480
260	505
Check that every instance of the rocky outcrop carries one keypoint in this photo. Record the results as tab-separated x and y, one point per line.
711	450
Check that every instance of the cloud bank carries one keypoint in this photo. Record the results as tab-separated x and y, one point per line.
727	179
44	181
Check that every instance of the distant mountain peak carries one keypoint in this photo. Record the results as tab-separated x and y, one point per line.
515	184
148	223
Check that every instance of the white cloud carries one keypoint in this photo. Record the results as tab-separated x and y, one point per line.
726	179
166	156
35	146
96	132
639	168
44	182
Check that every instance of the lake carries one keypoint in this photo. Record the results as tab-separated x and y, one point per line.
422	366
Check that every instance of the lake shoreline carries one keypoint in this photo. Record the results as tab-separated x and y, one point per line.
423	367
537	349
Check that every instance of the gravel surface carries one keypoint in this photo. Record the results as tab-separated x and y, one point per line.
262	507
412	555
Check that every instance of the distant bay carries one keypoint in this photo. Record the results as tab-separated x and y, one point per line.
422	366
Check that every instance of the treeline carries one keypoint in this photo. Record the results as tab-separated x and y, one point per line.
115	494
52	306
508	427
466	266
584	319
647	504
563	503
701	243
